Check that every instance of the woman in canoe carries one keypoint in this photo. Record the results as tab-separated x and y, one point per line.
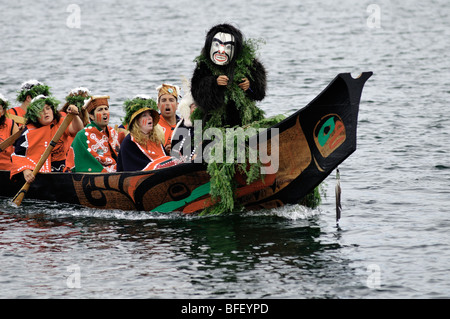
42	121
140	100
7	128
143	148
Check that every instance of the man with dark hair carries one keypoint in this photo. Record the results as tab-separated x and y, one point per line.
95	148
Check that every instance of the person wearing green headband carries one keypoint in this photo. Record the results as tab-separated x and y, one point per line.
7	128
143	148
78	97
4	104
140	100
28	91
42	122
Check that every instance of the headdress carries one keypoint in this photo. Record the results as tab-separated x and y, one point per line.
138	105
96	101
4	102
37	105
78	97
168	89
32	88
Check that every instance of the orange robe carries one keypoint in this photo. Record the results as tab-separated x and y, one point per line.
167	129
32	144
17	111
5	155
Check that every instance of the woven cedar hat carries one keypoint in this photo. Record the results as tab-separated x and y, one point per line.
155	115
169	89
138	105
96	101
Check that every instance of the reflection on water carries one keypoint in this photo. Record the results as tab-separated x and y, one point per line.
227	256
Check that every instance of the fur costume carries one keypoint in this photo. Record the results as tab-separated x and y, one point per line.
220	106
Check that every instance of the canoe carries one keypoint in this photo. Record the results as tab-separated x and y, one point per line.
310	144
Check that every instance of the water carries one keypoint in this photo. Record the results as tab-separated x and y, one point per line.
393	238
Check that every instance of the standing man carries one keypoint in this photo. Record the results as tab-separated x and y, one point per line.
95	148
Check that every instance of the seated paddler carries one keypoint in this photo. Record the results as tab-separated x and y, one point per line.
143	148
28	91
7	128
77	97
95	148
42	122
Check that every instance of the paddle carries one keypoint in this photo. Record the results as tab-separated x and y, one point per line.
21	194
338	196
18	119
10	140
68	119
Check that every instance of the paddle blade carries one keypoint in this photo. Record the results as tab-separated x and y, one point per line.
20	195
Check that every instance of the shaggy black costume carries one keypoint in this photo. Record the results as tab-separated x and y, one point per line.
210	97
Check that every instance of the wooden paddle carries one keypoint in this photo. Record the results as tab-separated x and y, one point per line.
18	119
10	140
21	194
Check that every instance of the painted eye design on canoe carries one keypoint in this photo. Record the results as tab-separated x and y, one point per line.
329	134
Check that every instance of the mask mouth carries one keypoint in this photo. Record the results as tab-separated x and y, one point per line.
221	58
222	48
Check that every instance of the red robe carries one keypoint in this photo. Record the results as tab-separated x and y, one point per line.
33	142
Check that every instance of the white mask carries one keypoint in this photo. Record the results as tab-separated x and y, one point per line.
222	48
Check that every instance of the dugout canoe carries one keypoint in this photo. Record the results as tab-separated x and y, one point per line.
312	142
